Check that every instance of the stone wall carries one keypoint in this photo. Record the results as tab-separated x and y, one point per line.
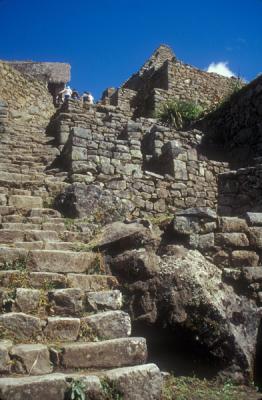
151	167
240	191
232	243
163	77
54	72
237	124
28	99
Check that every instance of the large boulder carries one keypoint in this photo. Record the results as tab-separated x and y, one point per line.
225	323
120	236
92	201
187	294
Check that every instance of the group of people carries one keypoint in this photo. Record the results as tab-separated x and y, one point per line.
68	93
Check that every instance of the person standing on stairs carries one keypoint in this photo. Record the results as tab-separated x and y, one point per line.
66	93
87	98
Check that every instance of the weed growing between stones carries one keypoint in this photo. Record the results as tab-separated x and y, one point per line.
87	333
18	264
77	390
9	300
19	281
98	265
110	390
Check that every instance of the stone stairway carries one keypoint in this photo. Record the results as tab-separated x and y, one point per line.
61	318
62	330
25	153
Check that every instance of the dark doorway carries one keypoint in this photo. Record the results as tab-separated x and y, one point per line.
174	350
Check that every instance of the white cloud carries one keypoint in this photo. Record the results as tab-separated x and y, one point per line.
221	68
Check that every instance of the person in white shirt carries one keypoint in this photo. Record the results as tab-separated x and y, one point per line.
66	93
88	98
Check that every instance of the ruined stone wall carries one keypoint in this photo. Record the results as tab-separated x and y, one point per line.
237	124
163	77
178	81
188	83
54	72
28	100
154	169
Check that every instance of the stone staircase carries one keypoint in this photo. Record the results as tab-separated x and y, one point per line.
62	331
26	153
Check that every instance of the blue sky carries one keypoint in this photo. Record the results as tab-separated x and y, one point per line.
106	41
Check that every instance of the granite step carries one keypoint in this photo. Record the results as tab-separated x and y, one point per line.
45	245
20	226
22	328
63	261
105	354
128	383
52	261
12	236
41	280
73	302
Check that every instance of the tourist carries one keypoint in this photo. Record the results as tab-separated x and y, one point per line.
88	98
75	94
66	93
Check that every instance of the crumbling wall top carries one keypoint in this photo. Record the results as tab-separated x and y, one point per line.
52	72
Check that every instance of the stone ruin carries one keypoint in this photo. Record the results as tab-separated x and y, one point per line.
54	74
101	199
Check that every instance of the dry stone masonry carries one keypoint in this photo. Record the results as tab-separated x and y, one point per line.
96	200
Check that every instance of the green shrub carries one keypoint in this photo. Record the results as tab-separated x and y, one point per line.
178	113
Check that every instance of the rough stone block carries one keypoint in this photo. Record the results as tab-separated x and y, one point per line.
139	382
242	258
27	300
82	133
232	224
25	201
59	261
79	154
106	354
105	300
21	326
31	359
52	386
231	240
255	237
66	301
254	219
64	329
109	324
91	283
46	279
5	364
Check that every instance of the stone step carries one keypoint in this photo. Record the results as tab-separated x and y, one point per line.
7	210
25	201
74	302
18	180
12	236
15	218
45	245
142	382
44	212
91	328
105	354
63	261
20	226
48	280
